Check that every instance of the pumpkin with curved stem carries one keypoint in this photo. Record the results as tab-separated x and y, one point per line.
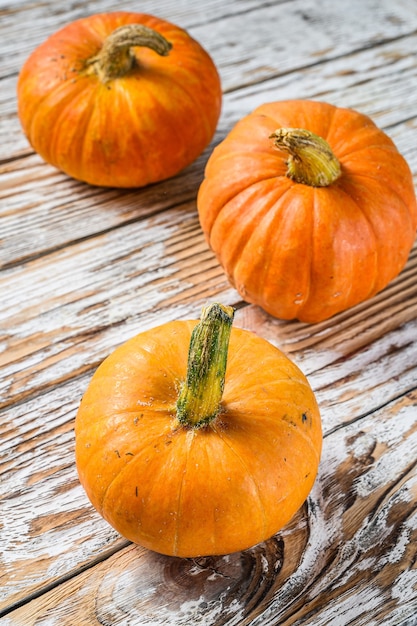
119	99
309	208
197	438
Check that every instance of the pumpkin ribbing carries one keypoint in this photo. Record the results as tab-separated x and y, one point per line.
191	491
301	250
119	99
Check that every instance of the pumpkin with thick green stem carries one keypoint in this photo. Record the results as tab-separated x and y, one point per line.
198	438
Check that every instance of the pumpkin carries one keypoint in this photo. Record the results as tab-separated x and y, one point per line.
309	208
196	439
119	99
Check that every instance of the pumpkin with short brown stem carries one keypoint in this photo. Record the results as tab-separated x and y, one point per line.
309	208
197	438
119	99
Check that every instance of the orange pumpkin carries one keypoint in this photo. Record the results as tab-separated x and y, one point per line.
190	460
309	208
119	99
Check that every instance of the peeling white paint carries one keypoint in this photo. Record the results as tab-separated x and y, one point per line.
121	274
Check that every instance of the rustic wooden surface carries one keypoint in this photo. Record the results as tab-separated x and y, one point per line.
83	269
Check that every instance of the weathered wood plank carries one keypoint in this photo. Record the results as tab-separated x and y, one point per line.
296	24
63	313
246	49
119	206
358	80
44	210
34	195
26	24
49	528
350	552
86	292
85	268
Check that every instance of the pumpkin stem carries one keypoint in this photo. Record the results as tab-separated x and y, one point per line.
200	395
116	57
311	161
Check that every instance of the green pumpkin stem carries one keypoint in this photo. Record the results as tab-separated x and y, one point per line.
116	57
200	395
311	161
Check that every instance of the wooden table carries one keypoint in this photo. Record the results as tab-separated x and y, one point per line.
85	268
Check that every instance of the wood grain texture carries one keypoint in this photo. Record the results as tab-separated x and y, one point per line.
65	530
354	542
62	208
82	269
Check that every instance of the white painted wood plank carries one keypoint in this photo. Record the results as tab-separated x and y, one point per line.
26	24
109	286
286	27
49	527
249	42
348	553
33	193
138	258
62	313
